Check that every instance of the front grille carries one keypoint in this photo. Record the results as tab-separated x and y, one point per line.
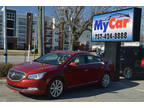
15	75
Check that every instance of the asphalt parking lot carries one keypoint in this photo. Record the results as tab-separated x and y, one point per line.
121	91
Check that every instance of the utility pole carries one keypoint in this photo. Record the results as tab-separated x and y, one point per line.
40	30
63	35
29	41
43	28
35	43
5	34
29	33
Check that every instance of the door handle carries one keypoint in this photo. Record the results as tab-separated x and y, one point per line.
86	70
102	67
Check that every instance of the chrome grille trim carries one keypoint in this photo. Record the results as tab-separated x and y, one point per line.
17	88
16	72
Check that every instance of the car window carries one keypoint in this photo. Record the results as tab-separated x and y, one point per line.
92	59
53	58
80	59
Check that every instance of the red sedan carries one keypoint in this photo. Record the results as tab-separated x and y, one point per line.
54	72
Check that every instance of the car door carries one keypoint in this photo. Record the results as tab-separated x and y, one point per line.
75	75
96	68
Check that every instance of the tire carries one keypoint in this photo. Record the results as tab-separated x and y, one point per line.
55	88
105	81
127	73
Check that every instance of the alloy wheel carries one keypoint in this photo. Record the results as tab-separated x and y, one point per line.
105	80
56	88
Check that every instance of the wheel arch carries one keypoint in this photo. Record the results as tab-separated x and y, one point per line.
57	77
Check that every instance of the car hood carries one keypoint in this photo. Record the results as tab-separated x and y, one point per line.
34	67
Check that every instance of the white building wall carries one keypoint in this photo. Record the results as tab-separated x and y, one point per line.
85	38
21	36
55	36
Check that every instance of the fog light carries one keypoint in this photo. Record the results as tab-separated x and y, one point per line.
32	89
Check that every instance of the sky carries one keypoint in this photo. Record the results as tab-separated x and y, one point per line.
49	10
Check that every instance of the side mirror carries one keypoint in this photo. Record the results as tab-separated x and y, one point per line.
73	64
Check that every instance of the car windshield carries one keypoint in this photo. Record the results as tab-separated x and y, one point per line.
53	58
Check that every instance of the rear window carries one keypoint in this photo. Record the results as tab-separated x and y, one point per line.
93	59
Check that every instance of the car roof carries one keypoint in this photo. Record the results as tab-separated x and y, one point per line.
73	52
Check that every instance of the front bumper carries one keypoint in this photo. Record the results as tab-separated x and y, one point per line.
28	86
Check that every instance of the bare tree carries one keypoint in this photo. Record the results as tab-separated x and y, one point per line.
79	18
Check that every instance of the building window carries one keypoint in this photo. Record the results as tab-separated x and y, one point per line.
1	34
66	42
1	30
48	46
56	47
67	27
34	22
48	39
10	32
87	42
22	23
66	47
22	31
67	34
10	23
10	16
56	40
21	39
0	20
1	45
0	37
49	32
0	16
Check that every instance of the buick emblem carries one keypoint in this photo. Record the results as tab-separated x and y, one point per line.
13	74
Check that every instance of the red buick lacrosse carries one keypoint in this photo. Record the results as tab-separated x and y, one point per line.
53	73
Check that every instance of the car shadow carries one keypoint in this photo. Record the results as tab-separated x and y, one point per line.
90	90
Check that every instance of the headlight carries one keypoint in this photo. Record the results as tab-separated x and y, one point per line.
36	76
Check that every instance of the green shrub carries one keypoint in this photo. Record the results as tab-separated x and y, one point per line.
4	68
